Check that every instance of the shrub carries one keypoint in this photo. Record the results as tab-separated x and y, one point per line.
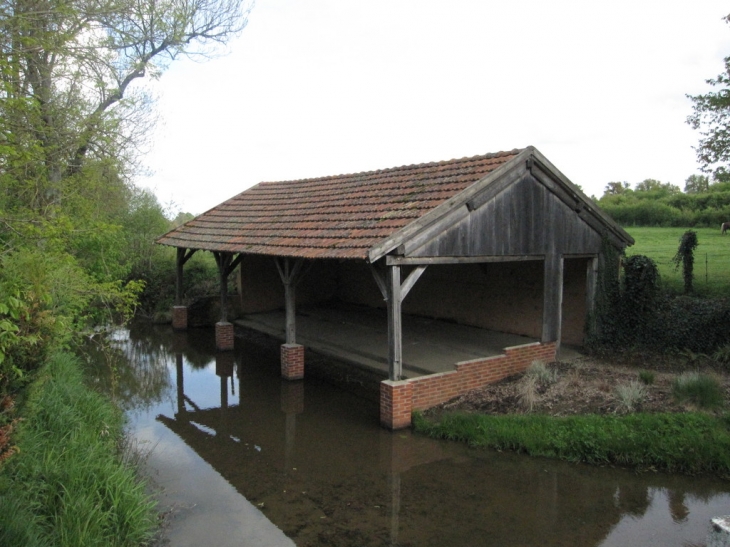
698	389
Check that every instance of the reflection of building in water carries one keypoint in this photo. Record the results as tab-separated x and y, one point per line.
323	471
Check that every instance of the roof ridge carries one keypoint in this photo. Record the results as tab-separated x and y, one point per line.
453	161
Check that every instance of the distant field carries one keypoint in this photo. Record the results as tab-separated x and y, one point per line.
712	257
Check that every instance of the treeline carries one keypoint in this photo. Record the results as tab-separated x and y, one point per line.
652	203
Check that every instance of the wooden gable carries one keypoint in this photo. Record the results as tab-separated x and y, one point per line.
525	209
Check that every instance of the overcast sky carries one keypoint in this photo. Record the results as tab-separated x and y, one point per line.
324	87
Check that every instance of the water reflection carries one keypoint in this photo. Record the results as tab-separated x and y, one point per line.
313	458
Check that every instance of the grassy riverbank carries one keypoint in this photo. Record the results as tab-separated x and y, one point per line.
690	443
68	483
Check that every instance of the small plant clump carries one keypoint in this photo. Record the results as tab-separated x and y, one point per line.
646	377
629	396
722	354
542	374
701	390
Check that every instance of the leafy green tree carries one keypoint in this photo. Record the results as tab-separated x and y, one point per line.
711	117
697	184
616	188
653	185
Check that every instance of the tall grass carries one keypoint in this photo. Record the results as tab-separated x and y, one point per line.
698	389
69	484
689	443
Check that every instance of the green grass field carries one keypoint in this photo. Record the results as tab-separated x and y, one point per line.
712	257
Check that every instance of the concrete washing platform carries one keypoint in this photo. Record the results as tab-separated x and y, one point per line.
360	336
441	360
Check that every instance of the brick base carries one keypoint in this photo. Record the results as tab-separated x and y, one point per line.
396	402
292	361
180	317
224	336
224	363
399	399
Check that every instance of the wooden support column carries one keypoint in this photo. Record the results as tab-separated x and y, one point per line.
224	336
180	312
394	293
552	315
395	331
591	285
292	354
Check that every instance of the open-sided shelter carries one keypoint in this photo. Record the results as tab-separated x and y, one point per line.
501	241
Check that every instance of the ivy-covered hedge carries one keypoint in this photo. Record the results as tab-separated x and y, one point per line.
632	311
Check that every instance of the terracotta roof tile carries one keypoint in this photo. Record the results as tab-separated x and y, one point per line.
339	216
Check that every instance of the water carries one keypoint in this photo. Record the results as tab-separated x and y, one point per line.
241	457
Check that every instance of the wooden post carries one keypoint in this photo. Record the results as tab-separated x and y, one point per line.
223	260
290	305
179	276
289	274
552	299
591	286
395	340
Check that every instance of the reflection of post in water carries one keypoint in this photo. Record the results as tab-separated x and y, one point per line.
180	383
224	363
292	403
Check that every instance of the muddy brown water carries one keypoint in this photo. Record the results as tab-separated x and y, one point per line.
240	457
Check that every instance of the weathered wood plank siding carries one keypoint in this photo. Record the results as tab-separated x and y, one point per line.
522	219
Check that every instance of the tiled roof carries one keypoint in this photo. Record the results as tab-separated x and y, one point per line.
331	217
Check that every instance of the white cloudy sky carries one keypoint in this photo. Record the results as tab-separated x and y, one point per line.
323	87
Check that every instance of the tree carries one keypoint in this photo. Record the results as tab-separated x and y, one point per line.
711	116
696	184
68	69
616	188
653	185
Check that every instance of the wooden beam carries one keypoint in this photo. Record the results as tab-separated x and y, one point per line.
410	281
428	260
379	281
552	298
591	284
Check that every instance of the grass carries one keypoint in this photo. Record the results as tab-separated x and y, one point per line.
711	273
646	377
690	443
698	389
69	484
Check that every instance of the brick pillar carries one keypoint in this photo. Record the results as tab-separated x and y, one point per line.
224	363
224	335
396	402
180	317
292	361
